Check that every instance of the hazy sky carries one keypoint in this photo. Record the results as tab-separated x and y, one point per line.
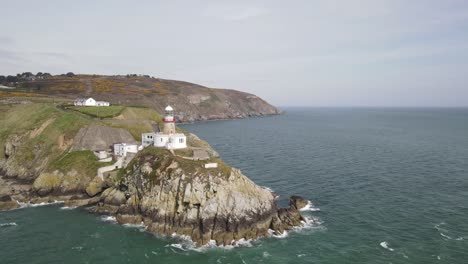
317	53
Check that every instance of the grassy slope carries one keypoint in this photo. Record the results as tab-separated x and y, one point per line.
100	111
38	142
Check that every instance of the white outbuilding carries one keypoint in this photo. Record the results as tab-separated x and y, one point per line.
122	149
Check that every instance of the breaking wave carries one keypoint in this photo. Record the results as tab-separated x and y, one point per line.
384	244
310	207
108	218
8	224
68	207
29	204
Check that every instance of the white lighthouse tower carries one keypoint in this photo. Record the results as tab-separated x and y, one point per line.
169	121
168	138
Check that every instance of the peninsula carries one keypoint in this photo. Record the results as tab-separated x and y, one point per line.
133	163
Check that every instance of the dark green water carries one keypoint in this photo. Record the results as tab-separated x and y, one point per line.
398	176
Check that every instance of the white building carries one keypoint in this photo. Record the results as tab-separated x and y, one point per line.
122	149
102	103
148	139
168	138
89	102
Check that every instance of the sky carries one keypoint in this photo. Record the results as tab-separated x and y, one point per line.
291	53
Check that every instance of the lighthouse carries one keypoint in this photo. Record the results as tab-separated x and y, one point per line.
169	121
168	138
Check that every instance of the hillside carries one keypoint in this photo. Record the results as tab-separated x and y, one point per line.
193	102
48	147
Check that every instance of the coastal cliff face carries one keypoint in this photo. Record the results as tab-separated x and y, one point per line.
173	195
193	102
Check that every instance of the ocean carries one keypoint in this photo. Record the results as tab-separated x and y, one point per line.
391	185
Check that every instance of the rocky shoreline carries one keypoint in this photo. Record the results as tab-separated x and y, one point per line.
162	194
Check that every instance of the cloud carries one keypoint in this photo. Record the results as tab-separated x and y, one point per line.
235	13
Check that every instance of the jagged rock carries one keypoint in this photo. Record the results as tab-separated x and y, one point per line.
113	196
95	186
82	202
180	196
46	183
5	198
297	202
8	205
11	144
129	219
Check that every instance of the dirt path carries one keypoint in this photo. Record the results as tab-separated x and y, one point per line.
88	86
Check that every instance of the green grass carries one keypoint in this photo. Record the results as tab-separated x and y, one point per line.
164	158
84	162
100	111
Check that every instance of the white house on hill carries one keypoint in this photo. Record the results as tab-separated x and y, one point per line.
89	102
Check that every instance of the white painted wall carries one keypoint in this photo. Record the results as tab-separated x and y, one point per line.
123	148
147	139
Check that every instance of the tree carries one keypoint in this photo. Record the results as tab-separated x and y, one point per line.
26	74
11	79
46	75
70	74
2	79
39	74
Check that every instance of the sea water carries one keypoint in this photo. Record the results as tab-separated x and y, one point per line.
391	186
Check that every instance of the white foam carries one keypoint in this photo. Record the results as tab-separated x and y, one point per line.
178	246
301	255
186	243
384	244
439	228
8	224
266	254
29	204
273	234
451	238
310	207
140	225
68	207
268	189
108	218
444	235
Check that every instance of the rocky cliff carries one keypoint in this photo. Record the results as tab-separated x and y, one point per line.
173	195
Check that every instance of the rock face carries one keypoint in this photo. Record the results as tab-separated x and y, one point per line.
97	137
298	202
173	195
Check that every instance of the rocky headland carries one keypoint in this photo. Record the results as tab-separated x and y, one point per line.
47	156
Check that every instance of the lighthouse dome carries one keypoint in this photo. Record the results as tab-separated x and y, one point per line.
169	108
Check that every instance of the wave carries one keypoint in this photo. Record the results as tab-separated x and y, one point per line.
384	244
271	233
451	238
310	207
68	207
8	224
29	204
187	244
108	218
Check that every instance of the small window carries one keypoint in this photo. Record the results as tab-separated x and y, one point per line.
181	140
